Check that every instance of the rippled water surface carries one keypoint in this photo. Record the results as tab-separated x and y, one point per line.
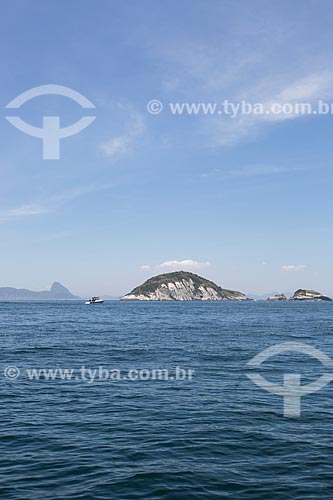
217	436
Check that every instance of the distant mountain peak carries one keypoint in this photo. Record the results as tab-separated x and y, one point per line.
57	292
58	288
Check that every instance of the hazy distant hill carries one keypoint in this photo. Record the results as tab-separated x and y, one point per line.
265	296
57	292
111	297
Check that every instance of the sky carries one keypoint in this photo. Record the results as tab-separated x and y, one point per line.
244	201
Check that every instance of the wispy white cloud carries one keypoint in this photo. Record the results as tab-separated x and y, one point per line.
52	203
22	211
177	265
306	89
184	264
257	170
313	86
77	192
265	170
200	72
291	268
122	144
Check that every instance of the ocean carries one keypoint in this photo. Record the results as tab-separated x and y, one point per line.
157	403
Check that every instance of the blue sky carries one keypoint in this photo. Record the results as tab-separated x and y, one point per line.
247	200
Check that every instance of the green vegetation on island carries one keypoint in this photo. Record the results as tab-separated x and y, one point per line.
181	285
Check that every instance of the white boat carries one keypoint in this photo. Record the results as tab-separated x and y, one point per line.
94	300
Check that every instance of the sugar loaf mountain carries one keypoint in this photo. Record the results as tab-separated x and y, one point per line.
181	286
56	292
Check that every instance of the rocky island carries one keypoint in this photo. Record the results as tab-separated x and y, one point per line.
277	297
181	286
302	294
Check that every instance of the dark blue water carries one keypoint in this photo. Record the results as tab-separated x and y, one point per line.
217	436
